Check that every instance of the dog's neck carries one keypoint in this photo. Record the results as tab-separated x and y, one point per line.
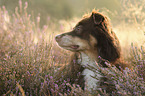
85	60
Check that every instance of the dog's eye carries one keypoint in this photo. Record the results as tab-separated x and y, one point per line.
78	29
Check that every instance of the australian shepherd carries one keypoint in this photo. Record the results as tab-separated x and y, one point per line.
91	38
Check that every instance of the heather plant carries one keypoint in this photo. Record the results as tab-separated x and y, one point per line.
129	82
24	53
29	60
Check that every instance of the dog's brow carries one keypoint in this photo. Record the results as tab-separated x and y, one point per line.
78	25
81	23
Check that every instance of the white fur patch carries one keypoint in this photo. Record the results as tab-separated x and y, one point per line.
90	82
67	41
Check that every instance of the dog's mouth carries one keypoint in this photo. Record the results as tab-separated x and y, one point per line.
71	47
74	46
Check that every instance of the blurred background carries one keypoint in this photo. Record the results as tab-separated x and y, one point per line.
127	10
62	9
67	9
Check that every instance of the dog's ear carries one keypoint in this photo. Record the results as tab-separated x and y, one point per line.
97	18
106	46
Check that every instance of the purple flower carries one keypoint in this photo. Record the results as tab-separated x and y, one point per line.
74	61
52	90
64	81
46	76
67	84
56	86
28	73
51	77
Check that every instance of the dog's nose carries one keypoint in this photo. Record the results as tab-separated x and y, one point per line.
58	37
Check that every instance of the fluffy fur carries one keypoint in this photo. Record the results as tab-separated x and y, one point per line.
90	38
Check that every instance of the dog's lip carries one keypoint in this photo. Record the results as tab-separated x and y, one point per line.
75	46
72	46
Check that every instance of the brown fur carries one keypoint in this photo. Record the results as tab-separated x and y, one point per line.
106	45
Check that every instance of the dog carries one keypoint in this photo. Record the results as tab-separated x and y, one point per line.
91	38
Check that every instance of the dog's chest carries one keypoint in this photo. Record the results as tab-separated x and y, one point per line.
90	82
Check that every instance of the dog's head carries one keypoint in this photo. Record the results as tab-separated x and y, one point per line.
91	34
